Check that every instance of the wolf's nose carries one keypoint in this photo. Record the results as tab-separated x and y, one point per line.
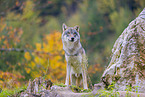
72	39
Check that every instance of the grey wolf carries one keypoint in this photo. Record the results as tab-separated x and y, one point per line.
75	56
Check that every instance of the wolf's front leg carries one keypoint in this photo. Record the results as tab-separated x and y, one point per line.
67	74
85	79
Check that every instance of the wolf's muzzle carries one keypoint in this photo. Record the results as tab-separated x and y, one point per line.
72	39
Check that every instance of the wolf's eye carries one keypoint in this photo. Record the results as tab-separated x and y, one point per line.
68	32
75	34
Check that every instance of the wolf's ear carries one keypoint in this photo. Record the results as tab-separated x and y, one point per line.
77	28
64	27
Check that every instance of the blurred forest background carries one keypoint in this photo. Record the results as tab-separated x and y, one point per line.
30	36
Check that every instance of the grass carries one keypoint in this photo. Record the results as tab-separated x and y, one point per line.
12	92
111	92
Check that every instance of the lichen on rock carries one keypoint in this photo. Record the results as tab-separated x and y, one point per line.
127	66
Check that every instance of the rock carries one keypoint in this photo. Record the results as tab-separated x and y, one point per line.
130	94
57	91
40	88
127	66
97	87
37	88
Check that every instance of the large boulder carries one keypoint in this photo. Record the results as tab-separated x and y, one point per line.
127	66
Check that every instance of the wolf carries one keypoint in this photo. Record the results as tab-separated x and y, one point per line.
75	57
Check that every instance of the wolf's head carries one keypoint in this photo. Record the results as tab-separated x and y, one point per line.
70	34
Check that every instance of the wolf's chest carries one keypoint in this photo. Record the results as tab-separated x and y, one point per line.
74	59
75	62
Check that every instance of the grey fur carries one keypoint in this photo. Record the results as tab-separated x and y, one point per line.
74	54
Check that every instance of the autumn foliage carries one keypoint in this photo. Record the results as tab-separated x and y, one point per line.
9	36
9	62
47	59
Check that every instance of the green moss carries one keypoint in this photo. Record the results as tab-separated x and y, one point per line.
79	90
109	92
60	84
106	93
